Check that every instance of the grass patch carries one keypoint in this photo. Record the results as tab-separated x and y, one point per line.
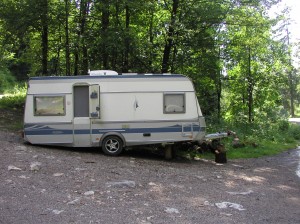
15	98
12	108
266	148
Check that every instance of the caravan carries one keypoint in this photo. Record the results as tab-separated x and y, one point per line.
112	111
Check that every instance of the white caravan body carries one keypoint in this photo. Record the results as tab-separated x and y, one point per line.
138	109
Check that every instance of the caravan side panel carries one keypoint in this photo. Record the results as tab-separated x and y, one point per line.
48	115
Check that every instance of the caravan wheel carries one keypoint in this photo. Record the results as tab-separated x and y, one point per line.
112	145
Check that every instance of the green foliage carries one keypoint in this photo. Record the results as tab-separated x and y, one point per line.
6	81
266	148
269	134
294	131
15	99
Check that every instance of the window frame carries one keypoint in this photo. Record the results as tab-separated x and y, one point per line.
48	114
172	94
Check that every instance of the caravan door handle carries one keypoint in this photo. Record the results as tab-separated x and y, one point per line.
97	108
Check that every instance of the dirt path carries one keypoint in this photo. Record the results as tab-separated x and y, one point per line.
57	185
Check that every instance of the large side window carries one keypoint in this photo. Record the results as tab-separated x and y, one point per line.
49	106
174	103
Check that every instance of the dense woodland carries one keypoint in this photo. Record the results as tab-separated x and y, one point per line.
239	59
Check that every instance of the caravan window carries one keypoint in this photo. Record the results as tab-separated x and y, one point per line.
174	103
49	105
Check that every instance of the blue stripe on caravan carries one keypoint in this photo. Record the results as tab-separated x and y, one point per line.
30	129
38	130
49	132
82	131
139	130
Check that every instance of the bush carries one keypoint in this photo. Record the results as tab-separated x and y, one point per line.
7	81
16	99
294	131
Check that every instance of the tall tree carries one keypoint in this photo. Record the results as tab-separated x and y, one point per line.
170	37
81	47
67	39
43	7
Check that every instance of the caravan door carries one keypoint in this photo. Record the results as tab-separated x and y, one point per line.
86	108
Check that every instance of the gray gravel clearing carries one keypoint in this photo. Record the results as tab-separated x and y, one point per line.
59	185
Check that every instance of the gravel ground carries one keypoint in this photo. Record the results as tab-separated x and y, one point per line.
59	185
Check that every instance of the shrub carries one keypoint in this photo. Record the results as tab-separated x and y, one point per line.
294	131
16	99
6	81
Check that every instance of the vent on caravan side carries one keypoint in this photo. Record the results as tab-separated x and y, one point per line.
102	72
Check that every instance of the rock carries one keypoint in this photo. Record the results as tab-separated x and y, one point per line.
226	204
235	165
89	193
57	212
152	184
80	169
74	202
35	166
226	214
11	167
21	148
206	203
240	193
149	218
123	183
58	174
172	210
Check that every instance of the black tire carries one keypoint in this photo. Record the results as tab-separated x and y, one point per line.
112	145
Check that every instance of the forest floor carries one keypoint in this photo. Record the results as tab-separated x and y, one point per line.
68	185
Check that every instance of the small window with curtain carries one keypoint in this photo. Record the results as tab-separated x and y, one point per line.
49	106
174	103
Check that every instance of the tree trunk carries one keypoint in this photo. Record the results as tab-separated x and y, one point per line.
127	40
170	38
67	44
250	89
291	90
105	25
151	40
290	76
84	7
44	22
81	47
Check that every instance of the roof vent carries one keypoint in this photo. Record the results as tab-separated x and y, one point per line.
102	72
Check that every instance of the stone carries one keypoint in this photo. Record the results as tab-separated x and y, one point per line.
58	174
57	212
121	184
240	193
11	167
226	204
74	202
35	166
172	210
89	193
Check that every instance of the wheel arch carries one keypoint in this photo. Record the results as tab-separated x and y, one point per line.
112	134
